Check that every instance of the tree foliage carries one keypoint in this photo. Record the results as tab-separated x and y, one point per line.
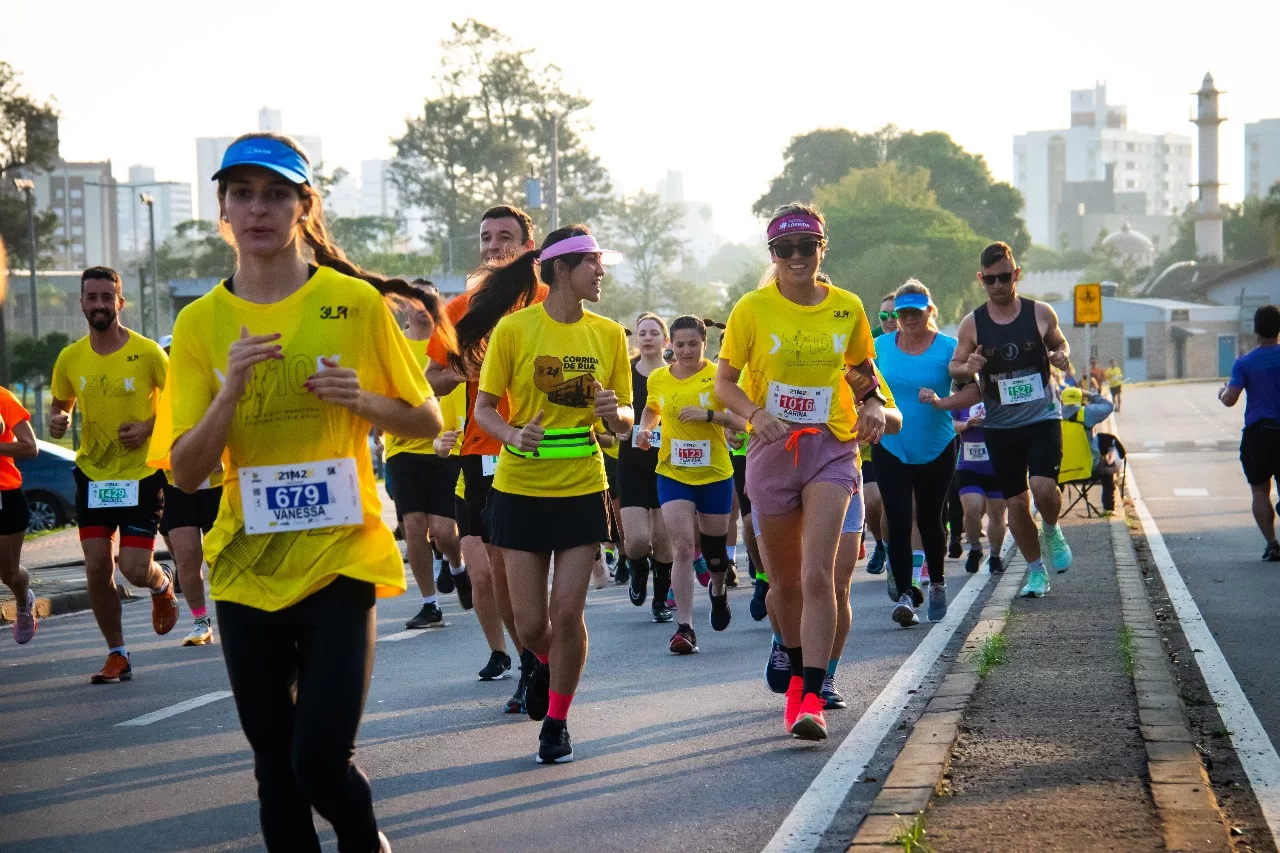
28	141
195	250
31	359
1247	232
648	233
377	243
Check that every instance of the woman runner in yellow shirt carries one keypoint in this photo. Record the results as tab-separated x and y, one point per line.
285	367
562	368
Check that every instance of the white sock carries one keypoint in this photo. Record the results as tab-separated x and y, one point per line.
975	546
163	589
428	599
456	570
1036	566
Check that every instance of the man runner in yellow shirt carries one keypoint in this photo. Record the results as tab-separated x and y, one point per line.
116	375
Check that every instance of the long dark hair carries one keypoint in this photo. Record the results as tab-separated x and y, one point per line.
327	253
505	287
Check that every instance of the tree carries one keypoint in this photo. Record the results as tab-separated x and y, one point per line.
195	250
1247	232
31	360
28	142
1269	211
648	234
815	159
1044	259
377	243
732	260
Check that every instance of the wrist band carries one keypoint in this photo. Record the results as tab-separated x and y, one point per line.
711	416
758	410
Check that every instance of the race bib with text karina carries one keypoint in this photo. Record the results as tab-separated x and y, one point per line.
112	494
305	496
1021	389
975	452
690	454
799	405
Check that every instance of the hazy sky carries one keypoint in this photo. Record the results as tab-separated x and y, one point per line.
715	90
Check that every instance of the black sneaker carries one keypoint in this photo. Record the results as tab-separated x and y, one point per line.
428	617
515	705
444	579
777	672
638	591
554	746
995	565
464	589
731	576
973	562
661	613
955	550
537	691
1272	554
720	612
497	668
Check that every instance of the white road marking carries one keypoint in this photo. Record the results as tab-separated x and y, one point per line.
803	829
1191	493
1257	753
174	710
1207	442
403	635
1155	442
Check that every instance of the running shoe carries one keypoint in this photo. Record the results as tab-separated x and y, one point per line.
598	577
554	746
995	565
1271	555
904	612
428	617
777	671
876	564
537	692
937	602
758	607
671	600
731	576
720	612
809	723
834	701
611	561
384	846
116	668
795	693
164	606
919	571
24	624
701	571
955	550
444	578
973	562
201	633
463	581
638	590
515	705
1055	547
662	613
1037	585
891	585
622	572
684	641
497	667
862	548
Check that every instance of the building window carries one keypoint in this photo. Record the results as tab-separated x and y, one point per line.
77	231
1135	348
1180	315
1166	186
1130	184
1128	146
1128	164
77	193
77	248
57	193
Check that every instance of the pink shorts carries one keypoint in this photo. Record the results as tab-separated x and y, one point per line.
777	473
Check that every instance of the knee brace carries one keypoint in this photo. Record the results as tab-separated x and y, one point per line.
715	551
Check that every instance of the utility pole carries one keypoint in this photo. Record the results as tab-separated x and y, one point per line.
27	187
155	275
553	208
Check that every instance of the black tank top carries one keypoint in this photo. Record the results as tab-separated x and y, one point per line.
639	399
1016	356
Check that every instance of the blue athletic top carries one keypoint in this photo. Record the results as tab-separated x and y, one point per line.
926	431
973	454
1258	373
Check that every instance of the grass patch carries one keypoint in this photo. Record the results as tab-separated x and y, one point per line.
993	652
1124	644
1009	616
910	837
40	534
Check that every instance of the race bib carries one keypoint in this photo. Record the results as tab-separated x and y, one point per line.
488	465
655	437
1021	389
975	452
799	405
690	454
305	496
112	494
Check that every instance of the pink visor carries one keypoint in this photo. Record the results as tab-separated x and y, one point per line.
795	223
585	245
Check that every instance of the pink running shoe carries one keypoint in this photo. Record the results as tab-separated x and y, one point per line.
24	626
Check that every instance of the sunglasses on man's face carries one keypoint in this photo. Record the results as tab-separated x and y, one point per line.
806	248
1002	277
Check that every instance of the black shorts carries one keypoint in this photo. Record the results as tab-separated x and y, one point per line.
1115	391
971	481
14	516
1016	452
469	509
184	510
1259	454
638	480
545	525
740	483
423	482
868	472
137	524
611	474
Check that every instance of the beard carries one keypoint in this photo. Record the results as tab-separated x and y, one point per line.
100	320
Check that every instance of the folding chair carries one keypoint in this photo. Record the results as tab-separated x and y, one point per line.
1079	491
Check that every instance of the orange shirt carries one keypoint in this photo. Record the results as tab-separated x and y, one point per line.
12	412
475	441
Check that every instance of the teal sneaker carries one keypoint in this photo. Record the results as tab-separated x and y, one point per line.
1037	585
919	571
1055	548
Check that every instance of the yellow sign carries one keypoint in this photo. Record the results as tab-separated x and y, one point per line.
1088	304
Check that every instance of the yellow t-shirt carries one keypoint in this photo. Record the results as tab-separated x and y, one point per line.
395	444
864	449
546	366
162	441
1115	376
279	422
667	396
111	390
453	414
795	356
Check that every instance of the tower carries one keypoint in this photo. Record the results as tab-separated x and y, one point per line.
1208	212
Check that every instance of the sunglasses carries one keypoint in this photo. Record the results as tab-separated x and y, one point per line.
901	313
1002	277
888	315
806	248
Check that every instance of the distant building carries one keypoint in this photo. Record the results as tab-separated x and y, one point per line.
172	207
209	151
697	225
1131	247
84	198
1150	174
1261	156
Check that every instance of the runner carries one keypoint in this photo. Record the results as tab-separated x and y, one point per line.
505	231
1010	342
874	507
919	461
979	492
695	476
422	489
609	447
285	367
644	532
1115	383
759	606
807	351
116	375
17	441
1258	373
562	368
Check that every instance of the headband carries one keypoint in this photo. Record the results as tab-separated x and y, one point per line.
269	154
795	223
584	244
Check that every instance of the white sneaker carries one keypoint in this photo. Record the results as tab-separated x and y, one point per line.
201	633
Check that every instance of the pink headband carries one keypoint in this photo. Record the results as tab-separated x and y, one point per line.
795	223
584	244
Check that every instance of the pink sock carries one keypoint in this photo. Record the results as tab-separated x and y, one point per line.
558	707
198	612
542	658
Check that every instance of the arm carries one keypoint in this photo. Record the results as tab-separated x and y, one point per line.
1054	340
60	416
486	413
966	360
23	445
1097	409
1229	395
691	414
134	434
767	428
341	386
443	378
969	395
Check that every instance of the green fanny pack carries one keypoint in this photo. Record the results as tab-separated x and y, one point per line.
575	443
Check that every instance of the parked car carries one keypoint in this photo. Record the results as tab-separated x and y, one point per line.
49	486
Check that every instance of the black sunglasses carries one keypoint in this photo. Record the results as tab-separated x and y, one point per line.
806	248
1002	277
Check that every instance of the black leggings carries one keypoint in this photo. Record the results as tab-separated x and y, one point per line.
929	483
303	739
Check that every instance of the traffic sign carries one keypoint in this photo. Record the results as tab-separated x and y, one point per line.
1088	304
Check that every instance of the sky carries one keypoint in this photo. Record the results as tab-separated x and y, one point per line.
712	89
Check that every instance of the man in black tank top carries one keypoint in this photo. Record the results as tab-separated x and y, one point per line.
1009	343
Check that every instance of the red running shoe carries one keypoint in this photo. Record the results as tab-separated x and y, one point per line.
795	689
810	724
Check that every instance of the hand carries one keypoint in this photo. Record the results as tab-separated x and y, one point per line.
1058	358
244	355
977	422
606	402
134	434
871	419
768	429
975	362
690	414
528	438
445	442
337	385
644	440
929	397
58	423
732	438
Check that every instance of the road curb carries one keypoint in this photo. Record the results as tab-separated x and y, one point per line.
59	603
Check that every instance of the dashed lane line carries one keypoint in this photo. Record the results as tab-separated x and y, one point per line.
174	710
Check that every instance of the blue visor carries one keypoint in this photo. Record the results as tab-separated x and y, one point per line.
911	300
269	154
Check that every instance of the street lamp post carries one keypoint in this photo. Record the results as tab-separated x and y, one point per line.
150	202
27	187
553	206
